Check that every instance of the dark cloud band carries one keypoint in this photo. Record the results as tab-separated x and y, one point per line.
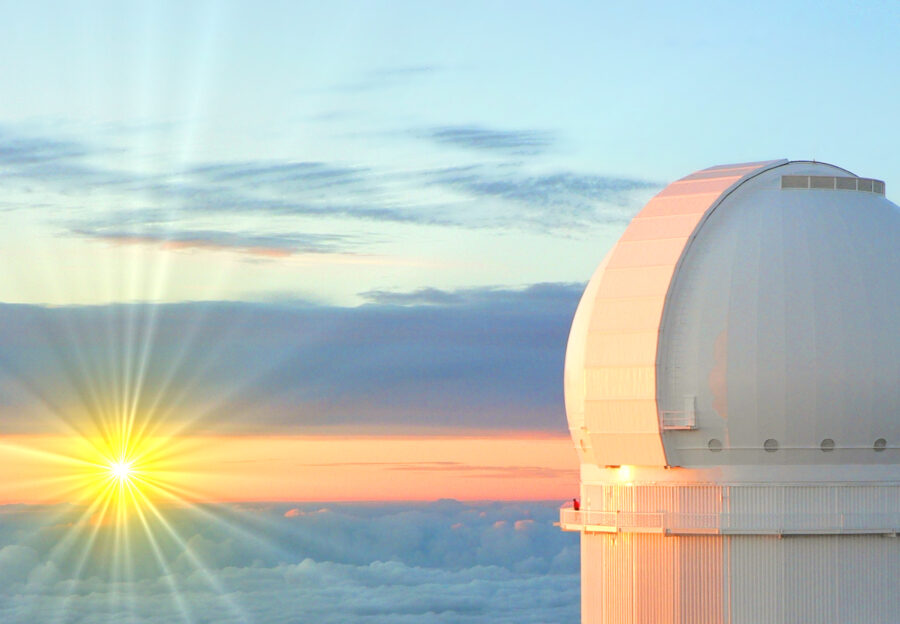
477	358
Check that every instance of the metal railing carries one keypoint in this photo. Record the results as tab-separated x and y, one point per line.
672	420
676	523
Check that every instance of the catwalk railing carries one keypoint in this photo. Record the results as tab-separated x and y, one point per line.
679	523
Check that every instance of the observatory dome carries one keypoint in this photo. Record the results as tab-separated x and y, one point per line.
749	314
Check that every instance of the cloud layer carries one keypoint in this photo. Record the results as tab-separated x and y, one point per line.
472	358
439	562
518	142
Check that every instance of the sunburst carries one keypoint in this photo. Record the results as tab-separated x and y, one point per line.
121	471
125	481
127	484
117	475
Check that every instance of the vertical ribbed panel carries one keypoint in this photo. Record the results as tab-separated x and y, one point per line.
617	326
703	499
654	578
651	577
643	578
640	578
756	583
593	579
618	579
808	500
700	571
823	579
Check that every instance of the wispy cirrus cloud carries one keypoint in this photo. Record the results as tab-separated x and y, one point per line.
469	470
508	194
28	151
557	200
280	175
514	142
77	171
270	246
488	472
55	162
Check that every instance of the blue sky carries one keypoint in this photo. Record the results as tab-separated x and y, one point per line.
399	146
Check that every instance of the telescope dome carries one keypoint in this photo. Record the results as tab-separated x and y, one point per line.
749	314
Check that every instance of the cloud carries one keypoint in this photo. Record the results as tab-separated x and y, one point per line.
62	164
489	472
296	512
29	151
491	358
517	142
77	170
78	177
16	562
422	296
437	562
447	467
281	175
270	246
557	200
542	293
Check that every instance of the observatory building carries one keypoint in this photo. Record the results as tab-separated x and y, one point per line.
732	386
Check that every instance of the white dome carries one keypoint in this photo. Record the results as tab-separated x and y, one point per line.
750	314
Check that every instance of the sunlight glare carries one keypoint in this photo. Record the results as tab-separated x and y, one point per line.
121	471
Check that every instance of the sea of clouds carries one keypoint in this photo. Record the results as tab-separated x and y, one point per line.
375	563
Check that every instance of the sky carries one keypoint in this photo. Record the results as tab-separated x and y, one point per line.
296	254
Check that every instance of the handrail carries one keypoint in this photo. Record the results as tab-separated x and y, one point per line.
591	520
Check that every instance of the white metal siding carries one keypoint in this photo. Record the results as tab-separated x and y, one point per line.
654	579
827	579
645	578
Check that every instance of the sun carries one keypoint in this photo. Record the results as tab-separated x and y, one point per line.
115	475
122	478
123	483
121	472
124	474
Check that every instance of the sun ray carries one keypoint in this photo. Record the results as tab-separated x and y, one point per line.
120	482
199	566
113	407
72	537
174	590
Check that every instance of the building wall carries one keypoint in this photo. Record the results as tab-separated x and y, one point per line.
632	578
739	553
801	579
642	578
